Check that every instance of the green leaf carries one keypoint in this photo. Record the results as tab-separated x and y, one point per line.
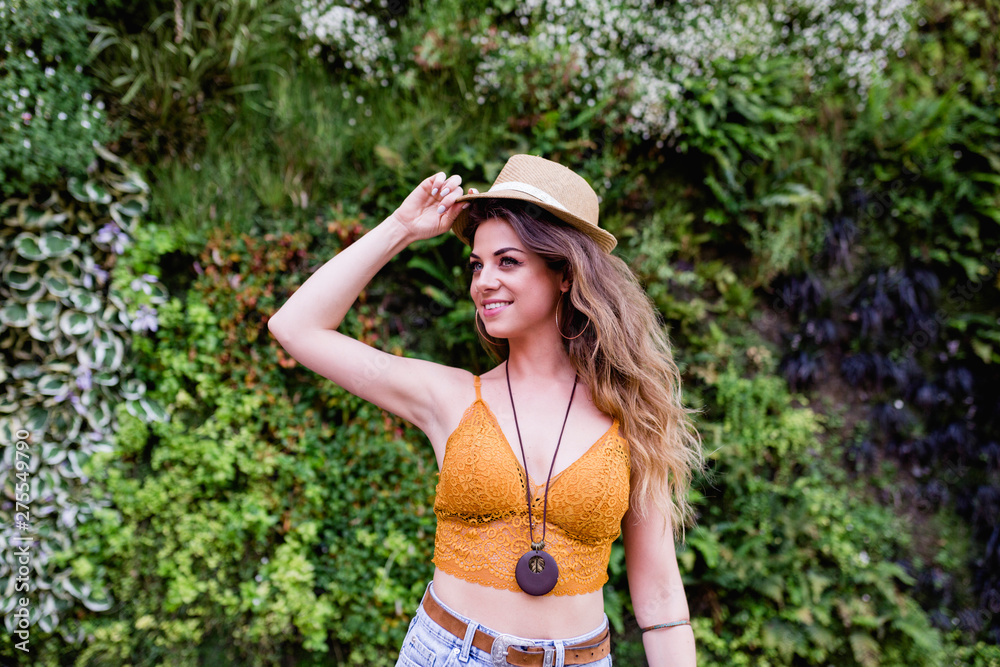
15	315
27	245
85	301
865	649
100	416
56	244
53	384
76	324
38	419
147	410
56	285
21	278
77	190
130	209
96	192
132	389
48	309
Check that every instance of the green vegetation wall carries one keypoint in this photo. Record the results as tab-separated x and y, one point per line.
810	193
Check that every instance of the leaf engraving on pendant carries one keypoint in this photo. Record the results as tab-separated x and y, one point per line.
536	564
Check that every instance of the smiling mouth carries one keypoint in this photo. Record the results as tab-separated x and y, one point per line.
495	306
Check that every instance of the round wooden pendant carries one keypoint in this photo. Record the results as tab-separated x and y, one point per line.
536	572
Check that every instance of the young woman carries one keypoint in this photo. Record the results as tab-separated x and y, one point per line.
576	436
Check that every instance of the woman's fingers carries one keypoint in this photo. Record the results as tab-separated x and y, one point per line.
446	189
449	197
435	182
441	184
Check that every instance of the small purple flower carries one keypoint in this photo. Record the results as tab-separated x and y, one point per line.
84	380
143	283
74	401
92	272
145	319
111	234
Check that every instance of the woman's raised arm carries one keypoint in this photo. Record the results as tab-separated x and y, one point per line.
306	325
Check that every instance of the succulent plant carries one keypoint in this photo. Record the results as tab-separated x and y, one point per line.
65	333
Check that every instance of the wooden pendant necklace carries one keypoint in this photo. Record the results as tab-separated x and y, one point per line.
536	572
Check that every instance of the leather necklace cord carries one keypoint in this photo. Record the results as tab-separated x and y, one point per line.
524	459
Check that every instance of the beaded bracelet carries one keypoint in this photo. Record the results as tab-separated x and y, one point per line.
666	625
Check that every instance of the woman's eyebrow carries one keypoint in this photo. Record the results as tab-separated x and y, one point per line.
498	252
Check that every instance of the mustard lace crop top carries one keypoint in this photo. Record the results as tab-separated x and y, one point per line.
482	513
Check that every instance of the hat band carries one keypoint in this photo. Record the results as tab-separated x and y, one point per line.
529	189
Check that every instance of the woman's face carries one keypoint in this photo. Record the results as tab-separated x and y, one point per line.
514	290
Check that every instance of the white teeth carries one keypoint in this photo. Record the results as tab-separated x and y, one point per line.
494	306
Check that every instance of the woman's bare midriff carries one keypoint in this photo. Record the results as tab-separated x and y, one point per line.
520	614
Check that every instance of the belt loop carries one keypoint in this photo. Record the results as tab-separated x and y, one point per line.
560	654
470	634
427	591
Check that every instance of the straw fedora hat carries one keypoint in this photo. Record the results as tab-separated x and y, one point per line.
550	186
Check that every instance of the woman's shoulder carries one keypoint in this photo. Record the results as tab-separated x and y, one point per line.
452	384
453	391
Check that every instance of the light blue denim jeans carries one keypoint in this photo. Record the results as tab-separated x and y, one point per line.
427	644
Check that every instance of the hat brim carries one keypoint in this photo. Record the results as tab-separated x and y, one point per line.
604	239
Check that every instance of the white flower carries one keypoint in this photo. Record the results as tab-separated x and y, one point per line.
355	36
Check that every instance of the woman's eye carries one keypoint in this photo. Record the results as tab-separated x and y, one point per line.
512	262
474	266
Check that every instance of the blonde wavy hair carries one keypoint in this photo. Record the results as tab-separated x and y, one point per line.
622	353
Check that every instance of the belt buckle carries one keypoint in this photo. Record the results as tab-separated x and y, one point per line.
503	643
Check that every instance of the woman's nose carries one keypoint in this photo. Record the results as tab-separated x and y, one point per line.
488	279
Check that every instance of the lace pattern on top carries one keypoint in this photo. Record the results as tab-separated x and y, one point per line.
482	527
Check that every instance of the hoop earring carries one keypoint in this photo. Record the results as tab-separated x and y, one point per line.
559	329
479	329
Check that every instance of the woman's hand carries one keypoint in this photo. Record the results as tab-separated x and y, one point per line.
430	209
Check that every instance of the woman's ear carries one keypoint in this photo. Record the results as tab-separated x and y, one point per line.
567	280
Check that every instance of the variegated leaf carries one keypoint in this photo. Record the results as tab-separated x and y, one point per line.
67	422
56	285
76	324
45	310
45	331
100	415
105	379
36	290
27	245
56	244
54	384
15	315
64	347
133	389
27	370
21	278
147	410
85	301
69	266
52	454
